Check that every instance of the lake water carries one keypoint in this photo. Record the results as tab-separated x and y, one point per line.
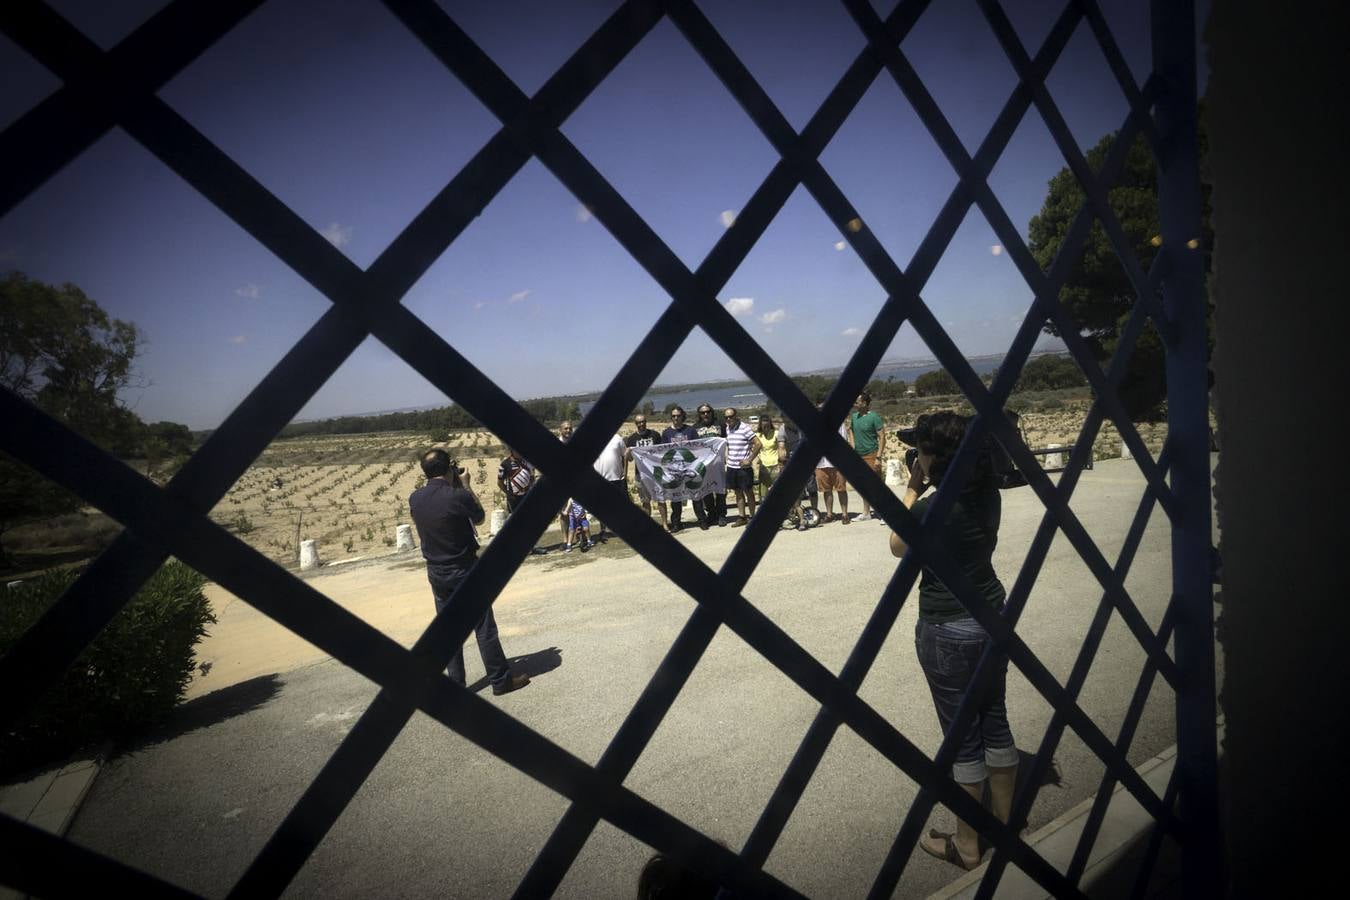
748	396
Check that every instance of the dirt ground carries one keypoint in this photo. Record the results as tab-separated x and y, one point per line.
350	492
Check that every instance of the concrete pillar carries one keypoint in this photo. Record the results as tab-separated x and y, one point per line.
498	520
1054	460
404	536
1124	450
309	554
893	472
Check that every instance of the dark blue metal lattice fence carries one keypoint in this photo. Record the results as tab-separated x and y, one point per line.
117	88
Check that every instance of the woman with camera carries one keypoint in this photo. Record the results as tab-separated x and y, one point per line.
949	641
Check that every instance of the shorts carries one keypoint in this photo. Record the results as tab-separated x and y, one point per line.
831	479
740	479
872	463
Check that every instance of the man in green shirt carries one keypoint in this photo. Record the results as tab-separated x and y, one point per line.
867	435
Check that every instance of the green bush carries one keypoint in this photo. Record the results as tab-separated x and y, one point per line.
131	677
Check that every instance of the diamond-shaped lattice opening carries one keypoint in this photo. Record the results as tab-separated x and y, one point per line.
612	863
955	37
213	311
530	44
606	619
1019	180
1032	20
1085	91
252	94
724	739
887	165
429	785
153	793
854	783
1108	689
27	82
795	58
47	526
976	293
538	296
107	23
688	192
1130	25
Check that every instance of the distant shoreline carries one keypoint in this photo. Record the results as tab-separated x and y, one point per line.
686	387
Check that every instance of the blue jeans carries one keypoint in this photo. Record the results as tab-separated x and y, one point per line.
949	653
444	580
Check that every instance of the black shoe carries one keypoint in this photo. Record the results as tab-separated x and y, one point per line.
512	683
704	525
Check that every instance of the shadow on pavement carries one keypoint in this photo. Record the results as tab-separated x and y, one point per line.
532	664
209	709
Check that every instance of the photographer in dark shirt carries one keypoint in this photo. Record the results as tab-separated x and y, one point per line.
445	511
949	641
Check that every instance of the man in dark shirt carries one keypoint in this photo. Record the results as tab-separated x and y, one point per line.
644	437
714	505
679	432
445	511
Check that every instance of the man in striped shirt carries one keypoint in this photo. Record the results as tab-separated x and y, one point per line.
741	453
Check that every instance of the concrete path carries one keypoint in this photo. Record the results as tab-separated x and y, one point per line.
440	816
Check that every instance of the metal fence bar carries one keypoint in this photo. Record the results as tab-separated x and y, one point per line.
955	362
902	848
1026	797
1155	839
174	518
640	725
1188	430
1097	814
40	864
1121	70
811	751
97	85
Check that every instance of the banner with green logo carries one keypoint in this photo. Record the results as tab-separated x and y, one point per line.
684	471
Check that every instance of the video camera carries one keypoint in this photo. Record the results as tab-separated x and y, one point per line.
993	461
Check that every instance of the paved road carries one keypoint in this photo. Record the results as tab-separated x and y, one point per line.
439	816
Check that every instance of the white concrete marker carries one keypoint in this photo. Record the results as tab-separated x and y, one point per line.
309	554
498	520
1124	450
892	472
404	535
1054	460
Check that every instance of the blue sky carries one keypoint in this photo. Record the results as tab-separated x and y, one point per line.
341	113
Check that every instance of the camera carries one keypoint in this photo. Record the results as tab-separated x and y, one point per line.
992	462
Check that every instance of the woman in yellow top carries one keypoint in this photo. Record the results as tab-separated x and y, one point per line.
766	441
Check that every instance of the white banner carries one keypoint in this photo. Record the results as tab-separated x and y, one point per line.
684	471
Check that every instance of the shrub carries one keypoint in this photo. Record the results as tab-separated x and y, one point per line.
128	679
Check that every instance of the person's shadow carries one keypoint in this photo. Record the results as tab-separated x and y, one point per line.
531	664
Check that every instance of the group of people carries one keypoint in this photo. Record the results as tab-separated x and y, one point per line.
949	641
755	456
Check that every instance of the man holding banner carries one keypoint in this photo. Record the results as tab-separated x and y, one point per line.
682	467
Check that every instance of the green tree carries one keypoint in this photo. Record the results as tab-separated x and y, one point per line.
62	352
931	384
1050	373
1098	294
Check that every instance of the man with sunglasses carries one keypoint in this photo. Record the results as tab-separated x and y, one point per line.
714	505
678	433
644	437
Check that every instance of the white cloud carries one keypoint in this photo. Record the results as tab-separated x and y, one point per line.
478	304
997	249
773	318
249	290
728	218
739	306
852	332
238	339
839	245
337	235
583	213
518	296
